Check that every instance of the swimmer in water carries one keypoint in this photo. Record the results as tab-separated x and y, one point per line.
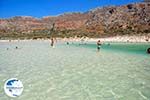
148	50
67	43
98	45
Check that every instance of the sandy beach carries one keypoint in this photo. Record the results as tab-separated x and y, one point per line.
130	39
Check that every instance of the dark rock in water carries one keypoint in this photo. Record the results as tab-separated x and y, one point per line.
148	50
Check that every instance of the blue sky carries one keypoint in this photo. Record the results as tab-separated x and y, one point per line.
40	8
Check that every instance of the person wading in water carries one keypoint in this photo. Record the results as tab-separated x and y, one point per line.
98	45
52	42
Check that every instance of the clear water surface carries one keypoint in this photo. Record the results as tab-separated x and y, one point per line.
120	71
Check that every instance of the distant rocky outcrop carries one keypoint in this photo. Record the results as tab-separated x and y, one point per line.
105	21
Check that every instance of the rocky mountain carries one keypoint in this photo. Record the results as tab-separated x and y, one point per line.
105	21
128	19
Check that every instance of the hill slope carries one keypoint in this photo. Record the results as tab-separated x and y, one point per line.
106	21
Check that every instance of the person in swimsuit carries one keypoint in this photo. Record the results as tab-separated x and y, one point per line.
98	45
52	42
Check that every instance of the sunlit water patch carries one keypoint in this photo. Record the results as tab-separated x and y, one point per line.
76	72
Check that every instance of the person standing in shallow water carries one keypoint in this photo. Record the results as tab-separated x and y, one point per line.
98	45
52	42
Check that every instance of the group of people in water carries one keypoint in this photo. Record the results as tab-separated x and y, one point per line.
15	48
99	44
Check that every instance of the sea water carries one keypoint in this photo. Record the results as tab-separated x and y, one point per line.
119	71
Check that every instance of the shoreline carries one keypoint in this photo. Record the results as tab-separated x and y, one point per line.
119	39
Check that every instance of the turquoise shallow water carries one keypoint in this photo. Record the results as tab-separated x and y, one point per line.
120	71
134	48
